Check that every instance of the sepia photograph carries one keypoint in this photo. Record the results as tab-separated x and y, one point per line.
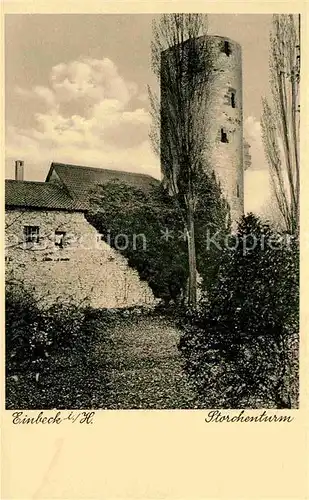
152	180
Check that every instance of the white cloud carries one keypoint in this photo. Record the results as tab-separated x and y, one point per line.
44	93
257	190
91	78
253	135
252	129
257	181
143	97
139	116
88	120
259	196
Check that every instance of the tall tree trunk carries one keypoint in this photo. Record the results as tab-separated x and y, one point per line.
192	292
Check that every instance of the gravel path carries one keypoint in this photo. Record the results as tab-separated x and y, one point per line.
144	366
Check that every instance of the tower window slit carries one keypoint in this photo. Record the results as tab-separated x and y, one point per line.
226	48
233	104
224	136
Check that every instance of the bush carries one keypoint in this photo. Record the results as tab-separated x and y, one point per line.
143	218
241	347
52	355
119	209
23	340
34	333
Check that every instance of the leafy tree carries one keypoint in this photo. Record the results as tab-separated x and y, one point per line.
151	232
147	228
183	61
212	227
241	349
281	119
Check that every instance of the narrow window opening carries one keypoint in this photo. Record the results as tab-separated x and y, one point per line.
223	136
237	191
233	104
59	238
31	234
226	48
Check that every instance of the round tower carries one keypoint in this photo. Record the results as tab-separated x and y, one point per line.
225	123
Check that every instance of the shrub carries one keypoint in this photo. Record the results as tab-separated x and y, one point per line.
55	357
121	209
21	311
241	347
163	261
33	333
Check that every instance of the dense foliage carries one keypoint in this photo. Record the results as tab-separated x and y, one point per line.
241	348
33	333
46	352
148	229
68	357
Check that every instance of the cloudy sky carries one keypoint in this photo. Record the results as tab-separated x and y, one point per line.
76	92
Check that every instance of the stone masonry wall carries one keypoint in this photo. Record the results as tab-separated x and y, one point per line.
86	268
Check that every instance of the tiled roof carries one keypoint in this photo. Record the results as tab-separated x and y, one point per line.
80	181
26	194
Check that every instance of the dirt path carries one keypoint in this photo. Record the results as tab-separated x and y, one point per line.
144	366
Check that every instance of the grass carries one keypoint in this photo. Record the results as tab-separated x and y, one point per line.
144	366
134	363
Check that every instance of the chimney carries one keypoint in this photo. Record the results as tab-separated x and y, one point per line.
19	170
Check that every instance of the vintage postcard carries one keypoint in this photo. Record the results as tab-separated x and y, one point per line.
154	258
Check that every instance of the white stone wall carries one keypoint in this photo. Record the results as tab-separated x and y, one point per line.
85	269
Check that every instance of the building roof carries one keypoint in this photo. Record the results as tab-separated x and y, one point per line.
80	181
39	195
72	190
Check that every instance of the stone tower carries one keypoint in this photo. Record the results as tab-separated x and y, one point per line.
225	130
225	144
